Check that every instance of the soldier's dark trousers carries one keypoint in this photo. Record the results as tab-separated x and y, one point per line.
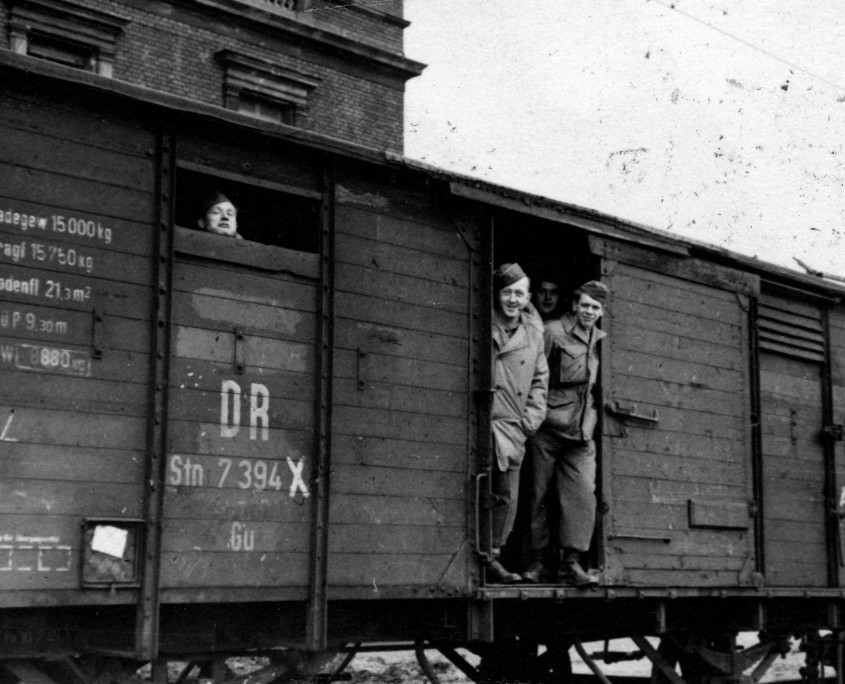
570	467
505	490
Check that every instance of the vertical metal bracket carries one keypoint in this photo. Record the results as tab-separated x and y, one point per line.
360	355
316	620
148	609
239	351
96	334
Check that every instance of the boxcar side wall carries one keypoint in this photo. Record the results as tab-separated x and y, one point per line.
77	199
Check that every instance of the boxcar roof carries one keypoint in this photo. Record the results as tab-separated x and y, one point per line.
471	188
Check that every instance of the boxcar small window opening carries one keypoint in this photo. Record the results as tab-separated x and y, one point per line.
252	212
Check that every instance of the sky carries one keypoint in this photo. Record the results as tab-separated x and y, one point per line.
719	120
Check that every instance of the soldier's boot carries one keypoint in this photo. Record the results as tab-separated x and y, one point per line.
572	573
498	574
536	572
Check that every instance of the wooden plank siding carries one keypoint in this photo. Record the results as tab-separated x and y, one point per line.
400	419
77	204
679	348
241	416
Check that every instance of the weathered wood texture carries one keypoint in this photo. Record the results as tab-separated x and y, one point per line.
241	416
77	203
679	487
269	163
793	471
400	417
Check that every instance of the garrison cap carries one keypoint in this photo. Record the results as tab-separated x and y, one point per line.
507	274
215	197
595	289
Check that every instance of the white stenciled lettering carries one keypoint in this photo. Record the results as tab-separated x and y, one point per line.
40	358
184	472
15	319
13	285
258	412
80	227
5	434
55	289
230	408
38	557
297	483
7	557
22	220
62	256
241	538
13	251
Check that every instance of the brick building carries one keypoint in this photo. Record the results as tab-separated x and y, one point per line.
333	68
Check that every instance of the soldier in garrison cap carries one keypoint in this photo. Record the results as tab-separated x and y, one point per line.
562	452
519	401
219	216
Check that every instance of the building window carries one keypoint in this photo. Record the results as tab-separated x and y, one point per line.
265	89
64	32
262	108
279	6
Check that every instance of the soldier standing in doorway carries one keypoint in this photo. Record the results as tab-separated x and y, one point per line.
519	402
563	449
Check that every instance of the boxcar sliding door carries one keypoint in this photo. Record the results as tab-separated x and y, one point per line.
677	443
241	421
401	412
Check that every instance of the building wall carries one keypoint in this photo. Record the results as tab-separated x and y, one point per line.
354	54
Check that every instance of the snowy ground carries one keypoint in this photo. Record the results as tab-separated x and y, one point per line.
400	667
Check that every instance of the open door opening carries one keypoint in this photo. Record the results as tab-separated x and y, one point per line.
549	253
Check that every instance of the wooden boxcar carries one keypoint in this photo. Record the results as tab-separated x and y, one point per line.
281	445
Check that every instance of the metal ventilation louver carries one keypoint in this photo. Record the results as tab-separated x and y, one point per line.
791	328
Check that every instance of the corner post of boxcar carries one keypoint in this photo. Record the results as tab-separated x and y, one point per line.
831	434
605	265
147	616
481	462
317	611
756	437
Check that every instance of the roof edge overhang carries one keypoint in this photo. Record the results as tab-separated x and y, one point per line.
467	187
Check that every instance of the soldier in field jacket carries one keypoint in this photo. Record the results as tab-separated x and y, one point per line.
519	402
563	451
